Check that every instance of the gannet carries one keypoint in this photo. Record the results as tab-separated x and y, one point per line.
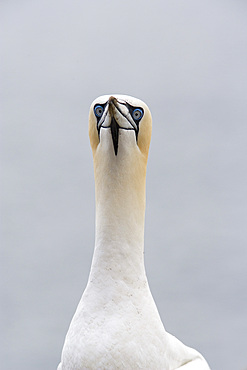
117	324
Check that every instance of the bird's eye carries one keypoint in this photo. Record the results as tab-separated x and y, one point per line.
98	110
137	114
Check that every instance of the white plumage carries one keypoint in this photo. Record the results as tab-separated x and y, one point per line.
117	324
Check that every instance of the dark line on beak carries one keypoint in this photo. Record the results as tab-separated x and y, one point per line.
114	134
122	113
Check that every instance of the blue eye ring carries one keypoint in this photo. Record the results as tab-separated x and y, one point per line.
137	114
98	110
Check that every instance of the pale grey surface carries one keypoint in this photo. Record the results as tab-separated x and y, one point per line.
187	60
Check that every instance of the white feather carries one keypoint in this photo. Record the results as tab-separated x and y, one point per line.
117	324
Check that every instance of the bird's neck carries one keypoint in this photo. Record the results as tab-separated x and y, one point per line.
120	215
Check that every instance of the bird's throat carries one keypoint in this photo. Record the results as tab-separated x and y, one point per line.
114	134
120	215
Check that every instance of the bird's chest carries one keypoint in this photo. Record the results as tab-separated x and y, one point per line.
116	338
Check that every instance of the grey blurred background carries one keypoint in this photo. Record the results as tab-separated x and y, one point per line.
188	61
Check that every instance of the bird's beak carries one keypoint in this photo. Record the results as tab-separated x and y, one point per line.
114	125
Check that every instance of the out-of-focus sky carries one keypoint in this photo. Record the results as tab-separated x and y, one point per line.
188	61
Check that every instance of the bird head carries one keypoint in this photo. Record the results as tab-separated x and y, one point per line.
119	123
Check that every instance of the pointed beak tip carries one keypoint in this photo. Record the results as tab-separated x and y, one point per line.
112	99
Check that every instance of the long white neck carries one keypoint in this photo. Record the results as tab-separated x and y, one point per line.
120	211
